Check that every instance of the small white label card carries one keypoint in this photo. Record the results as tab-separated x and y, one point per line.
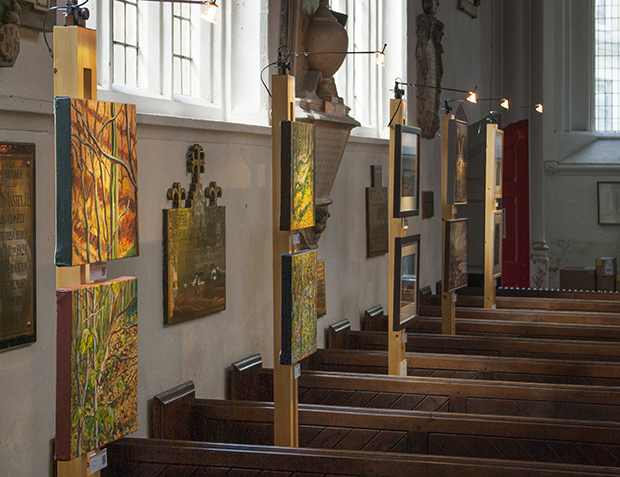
297	371
98	461
403	367
98	271
296	239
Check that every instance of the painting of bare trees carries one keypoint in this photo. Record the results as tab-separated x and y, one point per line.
97	365
97	182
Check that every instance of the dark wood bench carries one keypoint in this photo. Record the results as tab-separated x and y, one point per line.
589	373
570	301
340	336
516	329
553	401
536	316
177	414
156	457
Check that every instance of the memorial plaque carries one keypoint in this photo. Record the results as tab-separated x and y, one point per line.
194	248
376	215
428	204
17	250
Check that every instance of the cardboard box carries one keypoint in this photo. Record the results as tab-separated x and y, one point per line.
606	283
577	278
606	267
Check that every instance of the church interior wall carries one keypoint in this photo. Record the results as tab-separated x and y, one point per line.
238	157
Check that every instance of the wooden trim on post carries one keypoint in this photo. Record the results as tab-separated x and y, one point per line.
75	75
285	397
396	339
489	207
448	305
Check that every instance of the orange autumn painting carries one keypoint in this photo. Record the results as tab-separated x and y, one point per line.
97	182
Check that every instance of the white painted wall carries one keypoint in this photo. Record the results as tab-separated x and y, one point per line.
239	159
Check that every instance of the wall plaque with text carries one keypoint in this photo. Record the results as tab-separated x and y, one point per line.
376	215
17	251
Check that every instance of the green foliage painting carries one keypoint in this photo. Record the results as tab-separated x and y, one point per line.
299	310
297	176
97	365
97	181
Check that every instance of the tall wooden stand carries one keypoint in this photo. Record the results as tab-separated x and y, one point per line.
448	326
397	360
75	75
489	207
285	396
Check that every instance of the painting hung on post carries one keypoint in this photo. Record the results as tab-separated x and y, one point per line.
96	181
498	233
455	255
297	175
406	171
406	280
299	306
457	162
96	366
498	167
194	247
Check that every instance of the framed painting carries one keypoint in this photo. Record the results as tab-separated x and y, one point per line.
297	175
18	317
457	143
299	306
608	199
455	255
96	366
498	233
406	171
96	181
406	280
498	165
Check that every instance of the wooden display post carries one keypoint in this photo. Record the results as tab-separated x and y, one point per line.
75	75
489	208
285	396
448	305
397	360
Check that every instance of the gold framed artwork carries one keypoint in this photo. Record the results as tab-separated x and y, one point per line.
498	233
498	164
406	280
608	200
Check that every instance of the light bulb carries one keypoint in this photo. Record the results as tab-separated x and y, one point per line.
539	108
210	13
380	58
472	97
505	104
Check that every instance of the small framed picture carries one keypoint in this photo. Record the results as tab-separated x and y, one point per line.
498	233
608	203
455	255
498	166
457	162
406	171
406	280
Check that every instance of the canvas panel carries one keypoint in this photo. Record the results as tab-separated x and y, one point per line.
297	175
299	306
97	365
96	181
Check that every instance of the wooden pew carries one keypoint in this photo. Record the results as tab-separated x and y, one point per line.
129	457
536	316
465	396
516	329
329	427
340	336
588	373
565	301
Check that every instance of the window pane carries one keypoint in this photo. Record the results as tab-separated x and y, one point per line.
607	65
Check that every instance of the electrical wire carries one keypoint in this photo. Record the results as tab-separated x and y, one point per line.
65	8
396	111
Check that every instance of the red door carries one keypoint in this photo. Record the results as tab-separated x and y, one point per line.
516	202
